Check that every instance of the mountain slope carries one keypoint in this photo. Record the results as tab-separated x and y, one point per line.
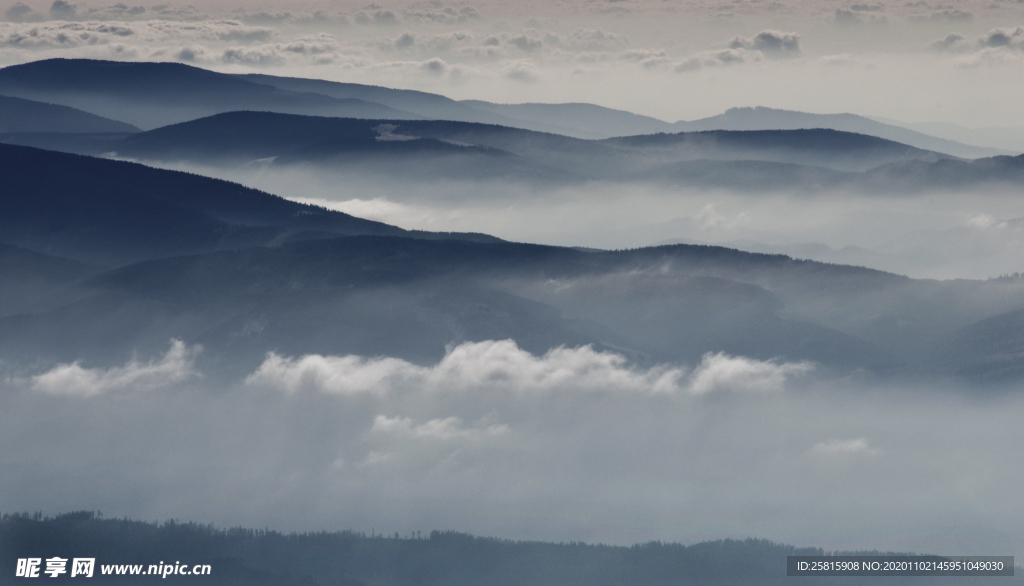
425	105
374	146
31	281
1008	139
951	174
587	120
761	118
575	120
18	115
112	212
412	298
806	160
991	349
241	137
244	273
844	151
150	95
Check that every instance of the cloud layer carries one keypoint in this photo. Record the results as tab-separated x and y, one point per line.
498	442
503	366
135	376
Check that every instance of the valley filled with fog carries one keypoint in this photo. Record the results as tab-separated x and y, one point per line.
943	235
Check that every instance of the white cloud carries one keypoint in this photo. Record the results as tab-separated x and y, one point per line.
771	43
63	10
718	58
442	15
256	56
449	428
151	35
503	366
997	45
341	375
1003	37
21	12
73	380
649	58
494	364
521	71
376	17
721	372
951	42
841	447
434	66
591	39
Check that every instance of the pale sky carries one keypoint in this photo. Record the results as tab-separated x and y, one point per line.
914	60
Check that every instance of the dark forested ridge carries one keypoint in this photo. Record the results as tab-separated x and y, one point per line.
425	150
255	135
113	212
246	556
153	94
762	118
202	260
18	115
149	95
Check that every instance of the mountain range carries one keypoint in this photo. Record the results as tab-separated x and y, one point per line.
228	121
132	256
91	244
425	150
150	95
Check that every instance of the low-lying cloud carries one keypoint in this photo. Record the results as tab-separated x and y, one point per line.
499	365
75	381
449	428
841	447
831	463
720	372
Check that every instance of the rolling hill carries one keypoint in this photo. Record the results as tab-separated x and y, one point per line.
472	150
761	118
18	115
149	95
112	212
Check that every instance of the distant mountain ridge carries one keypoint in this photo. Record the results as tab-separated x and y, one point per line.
591	121
1007	138
761	118
150	95
764	160
19	115
474	150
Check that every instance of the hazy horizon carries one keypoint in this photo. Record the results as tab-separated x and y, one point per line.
905	61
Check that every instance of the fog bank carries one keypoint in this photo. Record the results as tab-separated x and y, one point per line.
572	445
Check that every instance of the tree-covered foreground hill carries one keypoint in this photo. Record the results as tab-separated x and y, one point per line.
247	556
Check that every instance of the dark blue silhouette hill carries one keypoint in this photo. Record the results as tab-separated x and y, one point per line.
438	558
807	159
113	212
827	148
18	115
150	95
